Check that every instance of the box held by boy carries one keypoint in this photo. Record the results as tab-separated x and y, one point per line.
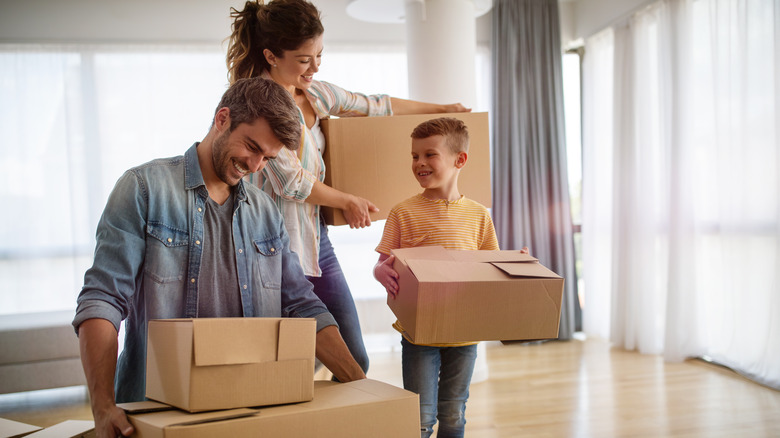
369	157
363	408
207	364
450	296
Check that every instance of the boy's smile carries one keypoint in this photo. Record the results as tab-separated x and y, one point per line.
436	167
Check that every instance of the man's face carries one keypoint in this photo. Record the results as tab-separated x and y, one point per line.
244	150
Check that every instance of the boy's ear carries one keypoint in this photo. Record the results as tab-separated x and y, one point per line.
460	160
269	56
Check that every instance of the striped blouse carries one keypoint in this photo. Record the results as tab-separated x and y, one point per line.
418	221
290	177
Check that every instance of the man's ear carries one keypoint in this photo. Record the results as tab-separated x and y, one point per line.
222	119
460	160
269	56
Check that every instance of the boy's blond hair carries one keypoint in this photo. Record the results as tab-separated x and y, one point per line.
454	131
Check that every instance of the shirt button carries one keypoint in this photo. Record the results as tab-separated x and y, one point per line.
197	242
192	280
170	240
273	249
244	286
200	209
240	251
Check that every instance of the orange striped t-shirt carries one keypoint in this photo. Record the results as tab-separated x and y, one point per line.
419	221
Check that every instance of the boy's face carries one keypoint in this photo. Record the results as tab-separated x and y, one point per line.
434	164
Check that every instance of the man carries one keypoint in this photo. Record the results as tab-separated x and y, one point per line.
185	237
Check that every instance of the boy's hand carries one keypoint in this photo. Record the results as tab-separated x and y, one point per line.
358	212
385	274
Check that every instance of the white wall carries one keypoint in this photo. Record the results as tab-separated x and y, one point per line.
196	21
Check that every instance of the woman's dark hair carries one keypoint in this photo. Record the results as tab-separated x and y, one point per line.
277	26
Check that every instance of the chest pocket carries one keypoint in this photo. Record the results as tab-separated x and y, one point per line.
268	262
166	252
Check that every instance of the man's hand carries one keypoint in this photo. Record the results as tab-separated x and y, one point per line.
386	275
111	422
358	212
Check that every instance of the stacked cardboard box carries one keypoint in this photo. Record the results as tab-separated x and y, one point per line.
244	377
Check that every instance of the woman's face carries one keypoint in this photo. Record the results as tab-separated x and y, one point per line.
296	68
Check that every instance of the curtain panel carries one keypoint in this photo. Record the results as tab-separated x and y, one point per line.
681	195
530	187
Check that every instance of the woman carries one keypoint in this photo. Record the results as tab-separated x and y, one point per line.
282	41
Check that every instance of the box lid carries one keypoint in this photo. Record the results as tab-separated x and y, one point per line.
67	429
215	342
174	417
435	263
13	429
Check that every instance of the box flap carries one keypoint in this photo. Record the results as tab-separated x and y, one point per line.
215	341
531	270
67	429
177	417
12	429
421	252
482	256
297	338
144	406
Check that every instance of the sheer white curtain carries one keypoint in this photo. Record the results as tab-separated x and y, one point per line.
681	203
72	119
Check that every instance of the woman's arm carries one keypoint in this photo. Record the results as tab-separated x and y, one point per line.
403	106
357	211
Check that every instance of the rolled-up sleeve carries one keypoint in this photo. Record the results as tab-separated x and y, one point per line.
110	283
333	100
288	178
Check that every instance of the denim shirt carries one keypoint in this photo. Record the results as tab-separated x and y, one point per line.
148	255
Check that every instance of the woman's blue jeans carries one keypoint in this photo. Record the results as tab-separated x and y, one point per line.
441	376
333	290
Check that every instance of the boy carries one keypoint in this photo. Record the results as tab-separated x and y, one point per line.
440	215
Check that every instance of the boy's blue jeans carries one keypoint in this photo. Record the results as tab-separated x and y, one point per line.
333	290
441	376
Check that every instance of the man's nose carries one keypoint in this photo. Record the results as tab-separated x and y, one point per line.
256	163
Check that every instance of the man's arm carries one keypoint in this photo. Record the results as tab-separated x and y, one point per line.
334	354
98	345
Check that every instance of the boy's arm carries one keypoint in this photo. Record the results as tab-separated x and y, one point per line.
386	275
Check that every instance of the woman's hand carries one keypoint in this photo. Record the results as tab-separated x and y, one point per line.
358	211
456	108
386	275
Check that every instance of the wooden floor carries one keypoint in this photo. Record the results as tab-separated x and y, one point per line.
554	389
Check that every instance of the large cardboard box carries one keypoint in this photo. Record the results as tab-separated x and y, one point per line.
459	296
364	408
371	157
223	363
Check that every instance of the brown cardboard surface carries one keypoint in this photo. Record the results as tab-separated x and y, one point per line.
371	157
68	429
338	410
461	296
224	363
14	429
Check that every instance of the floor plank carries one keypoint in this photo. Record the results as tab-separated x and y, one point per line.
576	388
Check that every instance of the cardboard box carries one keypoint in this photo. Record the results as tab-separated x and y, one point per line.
364	408
15	429
371	157
223	363
458	296
68	429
